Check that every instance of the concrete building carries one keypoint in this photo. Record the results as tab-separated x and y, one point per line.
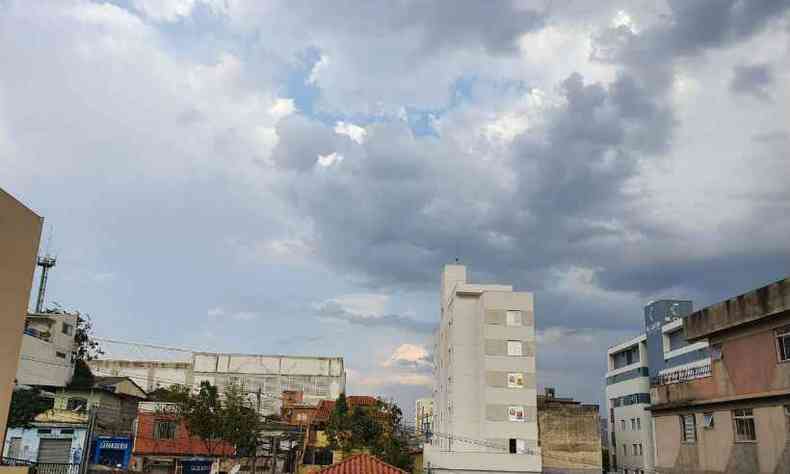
47	356
55	436
661	351
318	378
731	414
485	408
423	414
569	435
19	239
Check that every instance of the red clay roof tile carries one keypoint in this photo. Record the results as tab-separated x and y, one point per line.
361	464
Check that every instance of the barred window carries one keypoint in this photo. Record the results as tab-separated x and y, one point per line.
165	430
744	425
688	428
783	343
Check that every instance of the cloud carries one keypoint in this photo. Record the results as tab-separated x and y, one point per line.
354	132
216	313
368	311
755	80
410	356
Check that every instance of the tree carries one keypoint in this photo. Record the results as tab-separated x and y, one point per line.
376	429
26	404
83	377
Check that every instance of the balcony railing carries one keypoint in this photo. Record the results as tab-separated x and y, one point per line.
683	375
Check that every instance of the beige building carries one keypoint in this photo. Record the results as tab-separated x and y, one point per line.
485	413
20	231
47	356
731	415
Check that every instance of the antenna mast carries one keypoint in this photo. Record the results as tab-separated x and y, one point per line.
46	262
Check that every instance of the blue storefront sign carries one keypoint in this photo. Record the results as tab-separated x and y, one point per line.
113	451
196	466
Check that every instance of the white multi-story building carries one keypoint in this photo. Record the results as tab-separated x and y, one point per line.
47	355
485	409
660	355
628	397
319	378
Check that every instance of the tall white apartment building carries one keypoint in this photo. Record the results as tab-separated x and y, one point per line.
485	410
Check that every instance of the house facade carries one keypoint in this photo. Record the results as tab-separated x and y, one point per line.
731	414
485	409
569	434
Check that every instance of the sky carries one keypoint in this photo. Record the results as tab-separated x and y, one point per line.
290	176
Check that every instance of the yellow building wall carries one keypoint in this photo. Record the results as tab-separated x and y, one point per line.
20	230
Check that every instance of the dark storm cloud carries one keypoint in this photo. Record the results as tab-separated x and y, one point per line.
755	80
496	26
301	141
334	310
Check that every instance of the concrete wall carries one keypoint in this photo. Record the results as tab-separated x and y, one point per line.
715	450
40	361
751	306
30	439
19	239
570	437
149	375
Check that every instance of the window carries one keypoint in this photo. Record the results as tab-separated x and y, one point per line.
622	425
61	355
744	425
633	424
514	348
516	413
707	420
634	449
515	380
66	431
514	318
165	430
625	451
638	424
640	448
688	428
77	404
783	343
66	328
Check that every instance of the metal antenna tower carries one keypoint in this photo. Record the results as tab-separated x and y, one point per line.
46	262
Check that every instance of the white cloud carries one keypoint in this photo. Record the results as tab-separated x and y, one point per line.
412	355
319	66
282	108
326	161
244	316
363	304
354	132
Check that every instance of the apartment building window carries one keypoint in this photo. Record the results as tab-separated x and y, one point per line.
640	448
514	348
688	428
165	429
517	446
625	450
633	424
513	318
623	426
77	404
515	380
707	420
638	424
783	343
67	329
634	449
61	355
744	425
516	413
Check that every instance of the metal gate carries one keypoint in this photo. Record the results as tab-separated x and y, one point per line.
54	451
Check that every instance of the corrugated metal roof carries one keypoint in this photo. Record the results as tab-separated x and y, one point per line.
361	464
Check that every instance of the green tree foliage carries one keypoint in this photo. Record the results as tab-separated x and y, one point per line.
26	404
228	420
375	429
83	377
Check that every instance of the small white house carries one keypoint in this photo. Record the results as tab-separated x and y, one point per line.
57	436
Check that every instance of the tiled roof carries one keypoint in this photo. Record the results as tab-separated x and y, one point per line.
361	464
324	410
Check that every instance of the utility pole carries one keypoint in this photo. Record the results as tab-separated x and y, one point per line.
86	448
275	443
46	262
